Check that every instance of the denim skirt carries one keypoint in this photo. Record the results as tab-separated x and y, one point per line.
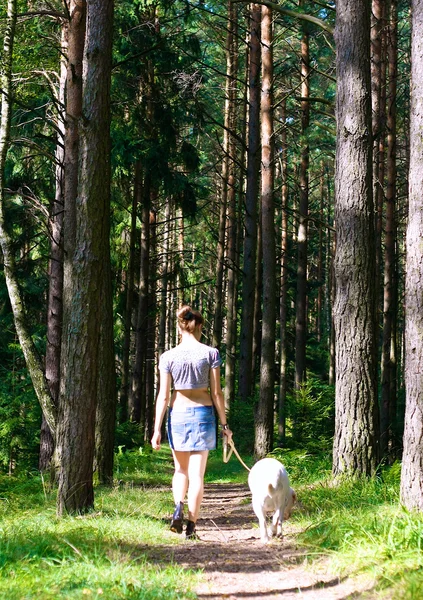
192	429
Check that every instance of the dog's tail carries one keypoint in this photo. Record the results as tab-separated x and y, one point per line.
271	489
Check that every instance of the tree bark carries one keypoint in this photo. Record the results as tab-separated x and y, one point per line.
55	268
218	291
330	301
264	415
227	169
231	320
389	345
412	461
257	317
173	280
32	359
356	411
129	303
165	272
83	309
180	281
76	41
377	47
106	392
283	299
301	300
148	418
235	201
138	399
250	236
232	233
320	259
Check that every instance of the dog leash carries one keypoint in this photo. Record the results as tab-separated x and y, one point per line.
227	455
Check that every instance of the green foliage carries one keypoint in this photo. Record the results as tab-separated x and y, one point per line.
230	472
311	415
19	422
241	421
128	436
361	525
20	414
305	466
144	465
153	95
29	186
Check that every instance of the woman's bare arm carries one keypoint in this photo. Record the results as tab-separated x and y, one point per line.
217	397
162	401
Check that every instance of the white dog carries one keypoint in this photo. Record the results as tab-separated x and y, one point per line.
269	485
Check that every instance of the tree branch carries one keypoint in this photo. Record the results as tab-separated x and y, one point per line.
292	13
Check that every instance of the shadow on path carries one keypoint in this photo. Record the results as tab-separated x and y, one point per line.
237	565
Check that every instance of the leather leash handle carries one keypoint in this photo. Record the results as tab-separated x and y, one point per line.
227	455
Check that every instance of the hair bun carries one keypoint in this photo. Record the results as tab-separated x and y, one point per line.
188	316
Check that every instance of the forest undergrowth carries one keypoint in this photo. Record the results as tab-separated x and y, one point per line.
357	525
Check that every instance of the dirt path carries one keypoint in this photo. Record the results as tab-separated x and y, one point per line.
237	566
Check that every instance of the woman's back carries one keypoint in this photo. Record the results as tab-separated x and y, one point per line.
190	364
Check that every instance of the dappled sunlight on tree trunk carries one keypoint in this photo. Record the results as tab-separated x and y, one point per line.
355	448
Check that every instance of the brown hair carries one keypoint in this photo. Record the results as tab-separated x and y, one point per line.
189	319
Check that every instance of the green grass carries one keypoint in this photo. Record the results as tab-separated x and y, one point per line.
359	523
106	554
123	550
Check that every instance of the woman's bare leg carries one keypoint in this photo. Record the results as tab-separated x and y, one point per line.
180	476
196	469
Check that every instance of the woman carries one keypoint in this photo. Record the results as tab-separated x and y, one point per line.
193	368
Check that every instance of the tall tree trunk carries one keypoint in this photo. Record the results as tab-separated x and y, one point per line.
148	418
264	415
301	303
232	238
220	263
137	399
227	169
283	299
84	285
32	360
356	411
235	201
106	391
181	264
250	237
232	296
165	271
174	280
330	301
55	268
320	258
377	81
255	356
389	346
129	302
218	292
412	460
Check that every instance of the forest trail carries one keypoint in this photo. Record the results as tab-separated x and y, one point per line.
237	566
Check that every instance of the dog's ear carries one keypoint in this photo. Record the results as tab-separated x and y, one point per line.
294	496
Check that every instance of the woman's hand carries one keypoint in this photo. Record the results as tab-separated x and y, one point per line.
156	439
228	433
